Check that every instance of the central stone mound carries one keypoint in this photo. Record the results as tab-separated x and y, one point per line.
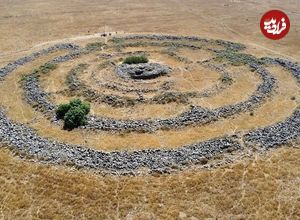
142	70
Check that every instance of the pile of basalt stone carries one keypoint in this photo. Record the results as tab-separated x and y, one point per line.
142	70
275	135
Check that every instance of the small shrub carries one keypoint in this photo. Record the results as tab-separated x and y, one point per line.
74	113
136	59
226	79
75	102
86	107
61	110
75	117
293	98
46	68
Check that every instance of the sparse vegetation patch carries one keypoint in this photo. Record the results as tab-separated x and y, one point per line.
95	46
136	59
45	68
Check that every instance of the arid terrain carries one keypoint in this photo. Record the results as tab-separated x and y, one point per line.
217	137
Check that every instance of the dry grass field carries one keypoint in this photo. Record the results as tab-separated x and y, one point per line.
254	185
27	23
265	187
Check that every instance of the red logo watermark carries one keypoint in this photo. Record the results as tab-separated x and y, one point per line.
275	24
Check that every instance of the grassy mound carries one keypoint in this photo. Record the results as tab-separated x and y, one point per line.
136	59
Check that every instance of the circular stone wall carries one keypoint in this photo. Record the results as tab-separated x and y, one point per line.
181	101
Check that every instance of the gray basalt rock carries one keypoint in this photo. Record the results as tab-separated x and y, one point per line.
142	70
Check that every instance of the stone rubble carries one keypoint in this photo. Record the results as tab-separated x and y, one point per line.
142	70
227	44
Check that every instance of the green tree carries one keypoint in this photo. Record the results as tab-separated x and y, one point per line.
61	110
75	117
74	113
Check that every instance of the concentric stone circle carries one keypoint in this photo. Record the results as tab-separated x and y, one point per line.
196	115
27	142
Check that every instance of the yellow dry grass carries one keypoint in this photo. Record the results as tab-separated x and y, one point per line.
264	187
196	78
245	84
195	55
24	25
